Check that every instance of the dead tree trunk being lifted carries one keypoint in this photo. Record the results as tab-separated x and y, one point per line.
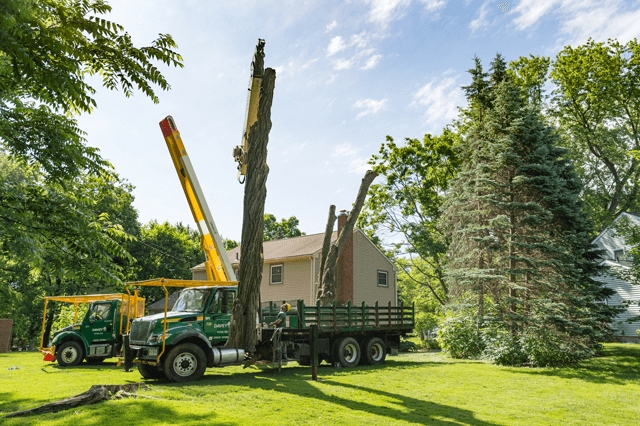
242	331
327	288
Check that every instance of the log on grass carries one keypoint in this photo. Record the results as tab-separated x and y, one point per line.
95	394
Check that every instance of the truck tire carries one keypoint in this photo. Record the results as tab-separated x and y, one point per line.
347	352
305	360
185	363
150	372
69	354
375	351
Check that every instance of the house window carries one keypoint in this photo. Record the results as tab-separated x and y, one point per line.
276	274
383	279
618	255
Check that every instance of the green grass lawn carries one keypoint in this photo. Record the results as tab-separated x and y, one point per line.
417	388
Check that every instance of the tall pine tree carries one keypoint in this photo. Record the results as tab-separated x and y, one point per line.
520	251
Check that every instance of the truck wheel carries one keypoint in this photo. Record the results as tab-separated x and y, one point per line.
69	354
185	363
149	371
347	352
375	351
304	360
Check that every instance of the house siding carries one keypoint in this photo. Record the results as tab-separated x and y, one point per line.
609	241
624	292
295	282
367	261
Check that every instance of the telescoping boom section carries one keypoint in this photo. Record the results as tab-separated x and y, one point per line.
217	263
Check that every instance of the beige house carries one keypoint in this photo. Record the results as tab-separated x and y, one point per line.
291	268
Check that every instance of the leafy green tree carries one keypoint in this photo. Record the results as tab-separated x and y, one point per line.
164	251
47	49
286	228
63	213
530	75
406	205
58	239
597	104
520	249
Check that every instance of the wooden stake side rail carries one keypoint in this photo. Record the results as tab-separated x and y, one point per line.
361	318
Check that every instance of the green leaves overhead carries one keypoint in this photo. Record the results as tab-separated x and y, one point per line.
597	104
47	49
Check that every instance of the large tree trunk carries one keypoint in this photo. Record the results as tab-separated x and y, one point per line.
242	331
327	291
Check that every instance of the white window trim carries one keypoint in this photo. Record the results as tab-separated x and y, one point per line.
378	278
271	282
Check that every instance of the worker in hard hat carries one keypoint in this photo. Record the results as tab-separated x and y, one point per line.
281	319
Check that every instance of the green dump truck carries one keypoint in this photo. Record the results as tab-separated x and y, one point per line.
181	343
98	335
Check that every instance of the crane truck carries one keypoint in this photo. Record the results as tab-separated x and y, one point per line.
180	343
99	335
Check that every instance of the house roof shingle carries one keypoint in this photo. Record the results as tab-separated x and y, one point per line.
306	245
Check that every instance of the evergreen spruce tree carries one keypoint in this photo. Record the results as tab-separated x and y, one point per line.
518	233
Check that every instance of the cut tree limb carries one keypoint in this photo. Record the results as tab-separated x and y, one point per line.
326	244
95	394
242	331
327	289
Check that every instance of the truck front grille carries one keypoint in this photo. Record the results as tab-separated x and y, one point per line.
140	331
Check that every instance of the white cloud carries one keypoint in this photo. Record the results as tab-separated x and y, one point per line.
433	5
481	20
351	156
369	106
371	62
581	19
343	64
332	26
384	11
441	96
336	45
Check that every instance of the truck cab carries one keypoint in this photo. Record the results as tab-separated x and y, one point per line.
183	341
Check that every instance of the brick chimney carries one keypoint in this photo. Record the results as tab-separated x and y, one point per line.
345	265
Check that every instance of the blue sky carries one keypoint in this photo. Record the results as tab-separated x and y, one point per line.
348	74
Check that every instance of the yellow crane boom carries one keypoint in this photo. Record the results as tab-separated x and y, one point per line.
217	263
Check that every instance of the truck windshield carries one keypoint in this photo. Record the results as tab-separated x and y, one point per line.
191	300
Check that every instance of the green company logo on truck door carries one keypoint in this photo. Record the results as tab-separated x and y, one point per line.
98	323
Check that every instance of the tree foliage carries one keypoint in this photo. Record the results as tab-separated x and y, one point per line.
406	204
520	250
597	104
47	49
286	228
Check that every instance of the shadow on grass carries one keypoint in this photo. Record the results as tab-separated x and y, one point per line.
9	404
394	406
139	411
619	364
295	381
